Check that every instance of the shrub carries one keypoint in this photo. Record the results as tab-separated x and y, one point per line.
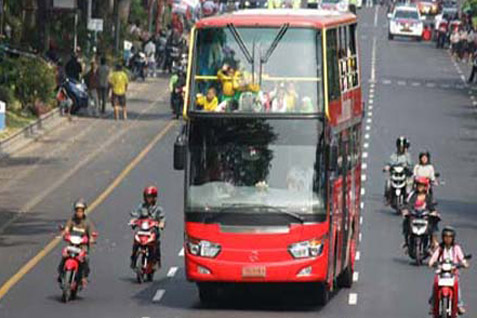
31	79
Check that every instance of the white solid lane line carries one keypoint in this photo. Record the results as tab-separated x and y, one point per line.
355	276
353	299
158	296
172	271
181	253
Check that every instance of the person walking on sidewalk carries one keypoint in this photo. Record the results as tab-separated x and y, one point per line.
103	76
92	82
474	68
119	85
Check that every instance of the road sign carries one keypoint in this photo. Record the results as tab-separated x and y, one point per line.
2	115
95	25
64	4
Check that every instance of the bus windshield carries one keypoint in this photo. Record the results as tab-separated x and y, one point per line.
238	164
257	70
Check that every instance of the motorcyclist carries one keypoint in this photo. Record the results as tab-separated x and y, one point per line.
154	211
425	169
449	249
400	157
79	224
420	199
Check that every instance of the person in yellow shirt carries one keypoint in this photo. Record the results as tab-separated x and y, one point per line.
230	80
119	85
208	102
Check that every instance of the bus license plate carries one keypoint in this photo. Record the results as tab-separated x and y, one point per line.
254	271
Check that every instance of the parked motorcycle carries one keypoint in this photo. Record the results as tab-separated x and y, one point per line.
145	236
446	288
419	240
399	176
74	254
78	92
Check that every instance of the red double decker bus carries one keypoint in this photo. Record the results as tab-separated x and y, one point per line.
271	151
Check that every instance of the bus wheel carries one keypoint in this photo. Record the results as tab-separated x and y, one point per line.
322	294
207	294
345	280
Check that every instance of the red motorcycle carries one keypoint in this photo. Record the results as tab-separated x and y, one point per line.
145	238
74	254
446	290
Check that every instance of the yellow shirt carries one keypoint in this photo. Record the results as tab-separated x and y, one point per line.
119	82
208	106
229	83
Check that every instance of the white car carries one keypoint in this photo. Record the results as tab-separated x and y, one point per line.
405	21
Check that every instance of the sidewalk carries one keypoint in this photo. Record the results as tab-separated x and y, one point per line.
78	159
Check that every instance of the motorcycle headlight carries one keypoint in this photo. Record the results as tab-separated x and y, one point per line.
202	248
306	249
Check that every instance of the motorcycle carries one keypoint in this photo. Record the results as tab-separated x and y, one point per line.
446	288
161	50
138	66
145	238
398	175
420	239
71	278
78	93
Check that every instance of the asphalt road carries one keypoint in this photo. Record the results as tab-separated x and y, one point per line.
417	92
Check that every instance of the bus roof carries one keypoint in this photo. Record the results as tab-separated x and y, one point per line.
277	17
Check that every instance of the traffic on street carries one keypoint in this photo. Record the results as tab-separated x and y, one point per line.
284	159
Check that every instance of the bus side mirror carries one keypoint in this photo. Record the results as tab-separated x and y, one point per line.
180	153
333	158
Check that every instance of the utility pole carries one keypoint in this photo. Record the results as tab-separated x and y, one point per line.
116	26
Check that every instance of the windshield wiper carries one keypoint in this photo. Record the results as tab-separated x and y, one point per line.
250	57
273	46
281	210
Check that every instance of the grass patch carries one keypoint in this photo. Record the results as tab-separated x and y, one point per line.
15	122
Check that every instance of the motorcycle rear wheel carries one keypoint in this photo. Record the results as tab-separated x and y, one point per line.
417	251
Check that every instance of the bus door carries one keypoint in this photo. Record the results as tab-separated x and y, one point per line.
345	230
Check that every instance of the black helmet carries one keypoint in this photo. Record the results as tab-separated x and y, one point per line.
403	142
80	204
448	230
425	153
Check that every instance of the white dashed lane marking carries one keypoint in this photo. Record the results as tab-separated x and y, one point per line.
172	271
181	252
353	299
158	295
355	276
358	256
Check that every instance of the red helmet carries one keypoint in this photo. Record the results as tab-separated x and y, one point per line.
150	191
422	180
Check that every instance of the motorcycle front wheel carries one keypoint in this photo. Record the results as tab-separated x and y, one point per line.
446	310
67	281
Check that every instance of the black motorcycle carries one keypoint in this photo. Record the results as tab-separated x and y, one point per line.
421	223
177	85
398	177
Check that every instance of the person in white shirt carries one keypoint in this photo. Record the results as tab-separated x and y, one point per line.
424	168
150	50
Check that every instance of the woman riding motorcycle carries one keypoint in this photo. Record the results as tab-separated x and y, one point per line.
448	249
79	224
424	168
154	211
420	199
400	157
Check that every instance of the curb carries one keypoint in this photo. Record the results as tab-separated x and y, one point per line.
31	133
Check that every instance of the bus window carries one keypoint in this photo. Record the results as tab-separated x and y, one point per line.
332	65
258	70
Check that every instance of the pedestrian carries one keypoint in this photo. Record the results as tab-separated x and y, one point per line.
470	44
92	83
119	85
150	50
103	76
73	68
463	44
454	39
474	68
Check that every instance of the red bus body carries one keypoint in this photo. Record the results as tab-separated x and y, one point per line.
261	253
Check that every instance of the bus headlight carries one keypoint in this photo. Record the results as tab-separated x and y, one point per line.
202	248
311	248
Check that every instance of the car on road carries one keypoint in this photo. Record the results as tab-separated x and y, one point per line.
405	21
